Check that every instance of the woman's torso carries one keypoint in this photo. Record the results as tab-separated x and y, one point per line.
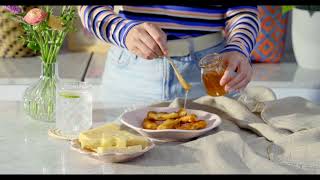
179	21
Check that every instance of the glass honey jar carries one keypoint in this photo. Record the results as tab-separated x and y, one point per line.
212	70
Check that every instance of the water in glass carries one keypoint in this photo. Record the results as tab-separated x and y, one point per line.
73	108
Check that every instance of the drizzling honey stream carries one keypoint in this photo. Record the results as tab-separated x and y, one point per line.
186	86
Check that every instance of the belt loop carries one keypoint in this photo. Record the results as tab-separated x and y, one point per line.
191	47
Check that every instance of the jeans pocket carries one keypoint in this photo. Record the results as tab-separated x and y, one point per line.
118	57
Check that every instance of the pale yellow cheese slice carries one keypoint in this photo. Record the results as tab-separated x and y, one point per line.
110	137
129	149
92	138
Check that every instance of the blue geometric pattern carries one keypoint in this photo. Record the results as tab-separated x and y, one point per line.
271	40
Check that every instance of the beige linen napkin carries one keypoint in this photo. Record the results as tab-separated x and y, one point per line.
223	152
292	113
291	124
239	113
301	150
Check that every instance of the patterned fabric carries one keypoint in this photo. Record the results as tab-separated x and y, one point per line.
10	31
241	23
270	44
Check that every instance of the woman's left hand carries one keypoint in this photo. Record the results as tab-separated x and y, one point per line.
236	62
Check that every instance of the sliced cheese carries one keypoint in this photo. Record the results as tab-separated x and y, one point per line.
129	149
92	138
110	137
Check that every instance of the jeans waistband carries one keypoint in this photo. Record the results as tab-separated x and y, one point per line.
183	47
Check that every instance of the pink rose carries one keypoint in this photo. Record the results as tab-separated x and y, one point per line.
35	16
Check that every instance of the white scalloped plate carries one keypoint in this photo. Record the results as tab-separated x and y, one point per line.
134	119
115	157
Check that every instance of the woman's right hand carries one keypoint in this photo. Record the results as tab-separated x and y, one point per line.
147	40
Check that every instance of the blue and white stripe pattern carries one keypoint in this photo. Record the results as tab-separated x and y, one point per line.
241	24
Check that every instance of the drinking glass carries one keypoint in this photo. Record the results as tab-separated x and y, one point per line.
73	107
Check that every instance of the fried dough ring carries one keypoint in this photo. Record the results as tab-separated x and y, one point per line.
182	112
200	124
188	118
161	116
173	120
149	124
169	124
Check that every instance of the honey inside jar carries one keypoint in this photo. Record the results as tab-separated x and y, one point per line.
212	70
211	81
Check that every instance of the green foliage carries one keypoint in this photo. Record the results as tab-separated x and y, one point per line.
286	9
43	38
310	8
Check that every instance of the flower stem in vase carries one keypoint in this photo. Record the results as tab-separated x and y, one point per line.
44	33
39	99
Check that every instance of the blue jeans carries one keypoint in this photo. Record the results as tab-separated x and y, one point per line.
131	80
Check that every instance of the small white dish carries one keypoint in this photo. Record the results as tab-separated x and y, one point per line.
134	119
114	157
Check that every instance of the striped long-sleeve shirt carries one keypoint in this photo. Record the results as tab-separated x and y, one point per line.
241	24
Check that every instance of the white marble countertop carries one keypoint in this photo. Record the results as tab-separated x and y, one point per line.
27	149
285	75
288	79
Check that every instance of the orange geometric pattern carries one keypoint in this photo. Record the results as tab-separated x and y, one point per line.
270	44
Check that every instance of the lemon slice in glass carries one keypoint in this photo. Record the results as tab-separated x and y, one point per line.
69	95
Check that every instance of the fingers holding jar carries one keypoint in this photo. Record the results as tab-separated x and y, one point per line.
238	72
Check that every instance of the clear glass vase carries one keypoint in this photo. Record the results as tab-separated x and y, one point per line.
40	98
